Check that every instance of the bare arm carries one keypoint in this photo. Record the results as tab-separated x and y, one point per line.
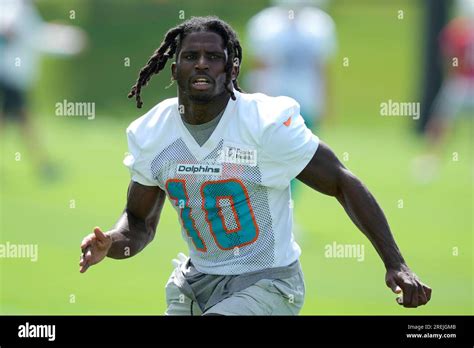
137	225
135	228
326	174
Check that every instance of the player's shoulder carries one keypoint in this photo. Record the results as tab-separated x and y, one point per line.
265	111
153	120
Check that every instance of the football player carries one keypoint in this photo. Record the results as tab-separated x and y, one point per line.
225	159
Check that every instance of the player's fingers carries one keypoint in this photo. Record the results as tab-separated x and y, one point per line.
88	255
410	299
415	299
427	291
83	264
84	268
407	293
396	289
99	234
87	241
85	250
392	285
399	299
422	299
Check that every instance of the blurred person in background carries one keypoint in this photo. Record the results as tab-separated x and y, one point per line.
456	95
23	37
290	46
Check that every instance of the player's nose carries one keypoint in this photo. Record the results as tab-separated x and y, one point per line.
201	63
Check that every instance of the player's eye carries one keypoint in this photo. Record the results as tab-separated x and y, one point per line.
189	56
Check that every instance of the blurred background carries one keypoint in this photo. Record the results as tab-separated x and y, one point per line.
62	175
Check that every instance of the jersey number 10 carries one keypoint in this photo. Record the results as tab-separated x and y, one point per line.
212	192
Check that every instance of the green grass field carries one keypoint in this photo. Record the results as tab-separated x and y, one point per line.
384	55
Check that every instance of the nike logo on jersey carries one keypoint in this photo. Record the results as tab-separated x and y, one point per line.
287	122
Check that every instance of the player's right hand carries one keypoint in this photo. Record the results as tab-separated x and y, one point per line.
94	248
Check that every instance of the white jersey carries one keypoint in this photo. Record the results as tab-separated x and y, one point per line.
232	195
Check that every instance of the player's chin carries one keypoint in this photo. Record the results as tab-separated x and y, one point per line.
201	97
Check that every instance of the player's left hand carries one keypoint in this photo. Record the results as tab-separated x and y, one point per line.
403	281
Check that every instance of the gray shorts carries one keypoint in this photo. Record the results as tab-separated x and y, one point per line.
277	296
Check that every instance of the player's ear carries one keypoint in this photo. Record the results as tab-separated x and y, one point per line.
173	70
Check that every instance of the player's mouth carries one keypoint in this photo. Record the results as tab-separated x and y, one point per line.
201	83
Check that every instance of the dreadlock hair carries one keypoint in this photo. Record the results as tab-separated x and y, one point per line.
172	44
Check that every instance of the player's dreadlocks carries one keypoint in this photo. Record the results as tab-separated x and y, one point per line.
171	46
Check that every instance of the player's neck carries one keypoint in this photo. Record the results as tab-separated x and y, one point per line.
199	113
